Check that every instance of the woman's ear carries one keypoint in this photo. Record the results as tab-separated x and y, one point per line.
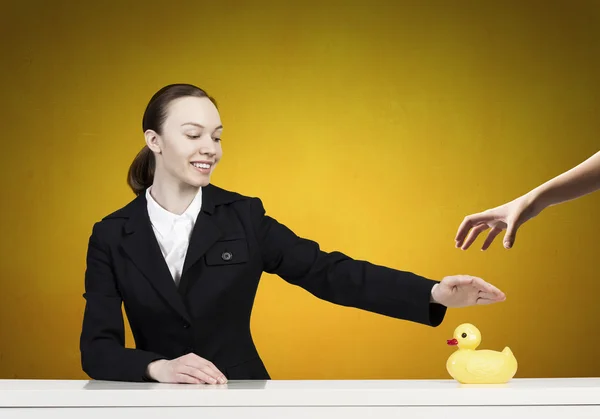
152	141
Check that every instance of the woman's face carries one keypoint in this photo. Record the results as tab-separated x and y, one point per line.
189	147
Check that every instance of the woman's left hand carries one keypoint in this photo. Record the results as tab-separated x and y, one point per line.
464	291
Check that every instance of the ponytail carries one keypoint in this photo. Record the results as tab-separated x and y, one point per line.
141	171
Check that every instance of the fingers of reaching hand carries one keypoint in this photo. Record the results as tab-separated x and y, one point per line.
468	223
473	234
509	237
490	238
463	228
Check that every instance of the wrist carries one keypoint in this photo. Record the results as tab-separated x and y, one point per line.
153	367
537	200
431	295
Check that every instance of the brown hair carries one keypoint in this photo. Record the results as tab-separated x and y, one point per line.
141	171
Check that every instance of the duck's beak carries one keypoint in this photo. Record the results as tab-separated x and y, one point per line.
452	342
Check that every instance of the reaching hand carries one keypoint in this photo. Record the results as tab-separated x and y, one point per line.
464	291
509	217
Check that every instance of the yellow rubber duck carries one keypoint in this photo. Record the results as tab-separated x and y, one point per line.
470	366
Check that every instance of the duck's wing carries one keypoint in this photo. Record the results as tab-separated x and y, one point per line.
484	364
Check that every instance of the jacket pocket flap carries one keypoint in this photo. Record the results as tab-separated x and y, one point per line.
227	252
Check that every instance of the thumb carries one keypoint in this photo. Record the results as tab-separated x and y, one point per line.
511	234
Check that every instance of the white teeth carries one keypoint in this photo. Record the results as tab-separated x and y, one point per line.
201	165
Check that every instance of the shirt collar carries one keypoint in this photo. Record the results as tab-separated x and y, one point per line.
163	220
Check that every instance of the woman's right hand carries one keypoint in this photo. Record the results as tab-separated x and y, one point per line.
187	369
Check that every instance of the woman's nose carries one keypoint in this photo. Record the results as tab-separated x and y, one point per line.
208	147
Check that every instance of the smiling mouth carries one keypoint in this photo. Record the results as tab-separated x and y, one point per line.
201	165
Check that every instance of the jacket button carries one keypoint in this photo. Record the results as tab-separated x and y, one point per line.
226	256
186	325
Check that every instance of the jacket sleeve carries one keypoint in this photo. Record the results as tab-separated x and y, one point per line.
102	340
339	279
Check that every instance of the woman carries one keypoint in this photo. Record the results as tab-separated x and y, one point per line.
185	258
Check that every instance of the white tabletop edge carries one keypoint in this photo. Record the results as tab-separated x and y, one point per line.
90	393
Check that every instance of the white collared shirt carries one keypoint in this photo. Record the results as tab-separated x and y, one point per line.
173	231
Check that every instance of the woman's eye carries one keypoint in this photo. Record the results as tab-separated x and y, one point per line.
217	139
193	137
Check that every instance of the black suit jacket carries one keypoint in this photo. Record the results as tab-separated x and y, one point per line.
233	242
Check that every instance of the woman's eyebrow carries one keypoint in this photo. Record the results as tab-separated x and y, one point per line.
200	126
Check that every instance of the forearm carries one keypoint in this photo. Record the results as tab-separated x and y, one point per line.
110	361
399	294
574	183
339	279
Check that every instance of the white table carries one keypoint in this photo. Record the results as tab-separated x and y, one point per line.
528	398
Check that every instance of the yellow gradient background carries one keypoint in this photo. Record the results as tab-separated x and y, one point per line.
372	127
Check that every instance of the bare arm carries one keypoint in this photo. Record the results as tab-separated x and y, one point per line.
574	183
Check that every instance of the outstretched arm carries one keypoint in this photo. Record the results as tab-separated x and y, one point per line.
342	280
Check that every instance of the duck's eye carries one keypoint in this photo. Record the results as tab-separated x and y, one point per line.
464	335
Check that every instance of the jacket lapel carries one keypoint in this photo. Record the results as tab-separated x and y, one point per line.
204	234
141	246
